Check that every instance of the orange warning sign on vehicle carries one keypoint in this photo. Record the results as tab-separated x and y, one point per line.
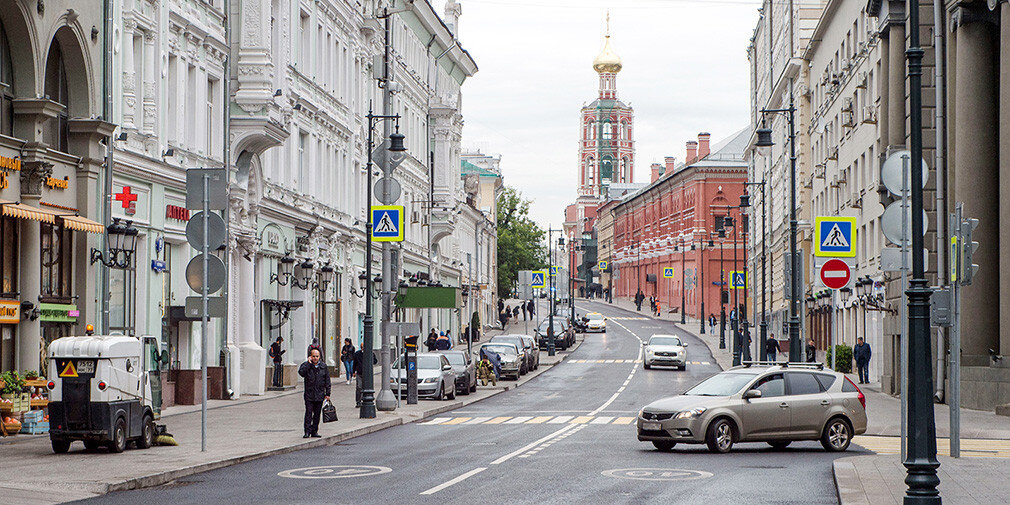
69	370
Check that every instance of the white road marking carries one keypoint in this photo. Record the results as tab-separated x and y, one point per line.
457	480
477	420
437	420
602	420
531	445
560	420
518	420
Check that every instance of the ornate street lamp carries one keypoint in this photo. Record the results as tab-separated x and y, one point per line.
120	243
284	270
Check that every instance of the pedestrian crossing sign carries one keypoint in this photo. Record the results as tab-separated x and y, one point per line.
835	237
603	266
538	279
387	223
554	271
738	280
668	273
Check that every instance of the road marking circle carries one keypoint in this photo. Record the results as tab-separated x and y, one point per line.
334	472
665	474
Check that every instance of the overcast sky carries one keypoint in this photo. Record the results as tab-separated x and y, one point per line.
685	71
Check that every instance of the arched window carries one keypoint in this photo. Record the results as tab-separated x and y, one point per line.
6	85
608	130
57	91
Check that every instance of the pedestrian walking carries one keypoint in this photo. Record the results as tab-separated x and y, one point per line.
639	298
347	358
515	312
503	319
359	359
861	352
525	311
443	342
530	306
659	310
276	353
772	348
711	322
317	389
811	351
429	343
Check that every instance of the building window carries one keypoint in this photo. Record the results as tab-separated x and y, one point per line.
57	91
8	256
6	85
57	261
122	283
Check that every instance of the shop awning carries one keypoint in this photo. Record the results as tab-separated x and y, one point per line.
22	211
82	224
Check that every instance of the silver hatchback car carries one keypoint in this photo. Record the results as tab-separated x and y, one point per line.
759	402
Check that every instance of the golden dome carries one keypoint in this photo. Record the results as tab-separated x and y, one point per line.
608	61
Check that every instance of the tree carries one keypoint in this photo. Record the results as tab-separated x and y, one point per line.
520	240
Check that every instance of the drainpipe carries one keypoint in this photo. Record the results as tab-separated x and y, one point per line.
226	161
943	253
106	203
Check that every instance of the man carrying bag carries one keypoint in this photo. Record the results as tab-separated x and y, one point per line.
317	390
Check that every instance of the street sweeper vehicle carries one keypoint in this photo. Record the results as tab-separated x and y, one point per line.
104	390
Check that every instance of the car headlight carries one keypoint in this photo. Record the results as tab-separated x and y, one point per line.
688	414
430	380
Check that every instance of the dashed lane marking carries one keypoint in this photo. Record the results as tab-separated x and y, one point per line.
518	420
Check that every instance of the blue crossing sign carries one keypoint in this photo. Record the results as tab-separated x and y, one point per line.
603	265
538	279
668	273
387	223
738	280
554	271
835	237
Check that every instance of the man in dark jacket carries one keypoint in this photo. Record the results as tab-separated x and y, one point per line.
276	352
531	307
861	353
317	389
772	347
358	369
429	343
811	351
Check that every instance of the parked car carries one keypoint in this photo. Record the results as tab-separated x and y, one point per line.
465	369
666	350
775	404
509	356
435	377
594	321
531	342
525	348
561	338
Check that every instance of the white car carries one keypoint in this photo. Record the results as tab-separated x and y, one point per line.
665	350
596	322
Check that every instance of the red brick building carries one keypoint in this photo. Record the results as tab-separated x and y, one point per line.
656	228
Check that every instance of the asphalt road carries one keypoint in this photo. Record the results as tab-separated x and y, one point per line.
565	436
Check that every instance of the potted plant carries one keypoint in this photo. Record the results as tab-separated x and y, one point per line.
13	386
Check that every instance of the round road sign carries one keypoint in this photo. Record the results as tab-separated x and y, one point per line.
334	472
835	273
215	273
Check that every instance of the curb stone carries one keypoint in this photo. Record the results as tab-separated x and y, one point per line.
847	484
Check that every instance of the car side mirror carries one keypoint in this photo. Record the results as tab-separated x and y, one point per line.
447	368
685	345
752	393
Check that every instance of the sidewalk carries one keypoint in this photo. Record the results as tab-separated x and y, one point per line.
879	479
237	431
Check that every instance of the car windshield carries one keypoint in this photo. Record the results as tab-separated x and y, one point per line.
558	326
723	384
425	362
664	341
455	359
500	348
511	340
595	317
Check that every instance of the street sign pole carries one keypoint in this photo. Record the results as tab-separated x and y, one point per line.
954	396
204	318
903	315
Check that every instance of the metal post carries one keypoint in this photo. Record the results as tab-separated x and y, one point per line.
550	297
683	297
794	283
764	274
701	284
722	304
834	326
745	339
920	461
903	342
204	319
367	409
735	321
954	392
385	401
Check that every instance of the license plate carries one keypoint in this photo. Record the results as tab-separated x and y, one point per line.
86	366
651	426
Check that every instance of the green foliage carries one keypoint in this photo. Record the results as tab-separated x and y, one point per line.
844	361
520	240
13	383
31	375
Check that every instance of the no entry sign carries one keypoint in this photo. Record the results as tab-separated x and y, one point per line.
835	273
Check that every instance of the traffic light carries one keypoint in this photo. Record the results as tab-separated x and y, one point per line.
969	247
410	342
725	296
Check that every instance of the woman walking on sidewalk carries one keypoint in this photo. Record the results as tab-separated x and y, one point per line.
317	389
347	358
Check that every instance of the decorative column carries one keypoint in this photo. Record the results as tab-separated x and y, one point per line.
129	75
29	346
150	112
1004	168
976	167
896	86
883	81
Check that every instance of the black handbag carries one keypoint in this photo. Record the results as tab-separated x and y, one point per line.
329	412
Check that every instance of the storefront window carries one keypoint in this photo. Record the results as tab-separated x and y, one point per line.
8	257
57	91
121	300
57	261
6	85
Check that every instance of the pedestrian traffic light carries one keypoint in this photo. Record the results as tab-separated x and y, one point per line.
725	296
969	248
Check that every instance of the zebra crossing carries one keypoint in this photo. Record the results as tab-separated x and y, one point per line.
976	448
504	420
614	361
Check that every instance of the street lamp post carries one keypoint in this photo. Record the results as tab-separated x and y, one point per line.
723	294
764	139
735	313
920	453
683	298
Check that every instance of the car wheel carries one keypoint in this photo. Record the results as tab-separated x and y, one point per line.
837	435
60	446
452	395
147	433
91	445
473	388
664	445
778	445
647	366
441	393
118	443
466	390
720	436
